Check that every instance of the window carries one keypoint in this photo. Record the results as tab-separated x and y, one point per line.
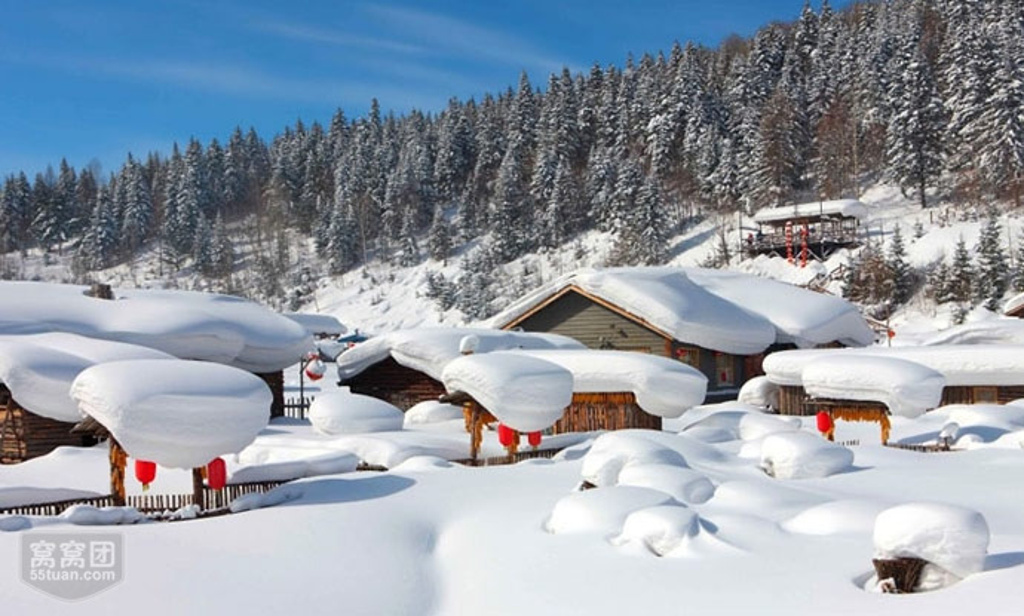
725	369
986	395
689	355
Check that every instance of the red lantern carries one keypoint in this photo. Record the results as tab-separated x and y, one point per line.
504	435
534	439
216	474
145	472
824	422
315	370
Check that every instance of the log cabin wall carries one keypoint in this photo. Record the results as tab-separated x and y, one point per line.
392	382
275	380
25	435
981	394
791	400
605	411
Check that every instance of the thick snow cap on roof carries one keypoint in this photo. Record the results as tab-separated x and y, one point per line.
429	349
669	301
800	316
189	325
959	365
1014	304
662	386
179	414
907	388
39	369
315	324
523	392
987	331
845	208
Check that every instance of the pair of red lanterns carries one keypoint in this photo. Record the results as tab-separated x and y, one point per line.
216	473
507	435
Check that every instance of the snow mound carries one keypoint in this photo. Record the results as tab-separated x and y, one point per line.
953	538
611	452
38	369
662	386
87	515
431	411
683	484
523	392
14	523
802	455
343	412
13	496
179	414
601	511
907	388
759	391
730	425
255	500
661	529
836	518
417	464
331	463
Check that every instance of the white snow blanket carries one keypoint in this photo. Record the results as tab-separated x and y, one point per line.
614	451
317	324
179	414
759	391
985	331
39	369
429	349
189	325
602	511
662	386
846	208
523	392
431	411
950	537
667	299
661	529
802	455
907	388
343	412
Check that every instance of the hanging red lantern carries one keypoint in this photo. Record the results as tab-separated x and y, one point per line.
216	474
825	424
504	435
145	472
315	370
534	439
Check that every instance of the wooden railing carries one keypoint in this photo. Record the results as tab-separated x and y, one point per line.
512	459
297	408
214	500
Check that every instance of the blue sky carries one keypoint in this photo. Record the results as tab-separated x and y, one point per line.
99	78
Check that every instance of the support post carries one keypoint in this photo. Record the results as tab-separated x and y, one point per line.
118	462
198	488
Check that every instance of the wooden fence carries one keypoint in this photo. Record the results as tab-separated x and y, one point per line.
513	459
297	408
933	448
214	500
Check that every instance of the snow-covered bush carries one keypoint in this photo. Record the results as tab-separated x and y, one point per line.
761	392
661	529
611	452
684	484
602	511
431	411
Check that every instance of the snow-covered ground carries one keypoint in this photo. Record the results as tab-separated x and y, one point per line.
429	537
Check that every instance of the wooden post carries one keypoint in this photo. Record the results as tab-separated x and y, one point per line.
118	462
197	488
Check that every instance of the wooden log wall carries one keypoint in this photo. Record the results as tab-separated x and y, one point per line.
605	411
25	435
791	400
275	380
392	382
981	394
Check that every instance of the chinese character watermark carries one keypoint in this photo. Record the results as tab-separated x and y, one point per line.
72	566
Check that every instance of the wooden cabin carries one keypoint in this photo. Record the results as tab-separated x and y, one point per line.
25	435
599	324
605	411
793	400
823	227
394	383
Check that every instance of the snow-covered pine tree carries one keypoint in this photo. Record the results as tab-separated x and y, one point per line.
993	268
961	274
439	237
902	273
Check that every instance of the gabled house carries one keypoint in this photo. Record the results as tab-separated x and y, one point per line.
722	323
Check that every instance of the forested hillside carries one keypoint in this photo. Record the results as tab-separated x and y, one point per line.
924	94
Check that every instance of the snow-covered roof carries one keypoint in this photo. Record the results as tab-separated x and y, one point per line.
986	331
315	324
189	325
662	386
959	365
845	208
39	369
800	316
907	388
523	392
429	349
720	310
1014	304
179	414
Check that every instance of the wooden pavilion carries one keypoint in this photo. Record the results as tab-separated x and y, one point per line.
807	230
